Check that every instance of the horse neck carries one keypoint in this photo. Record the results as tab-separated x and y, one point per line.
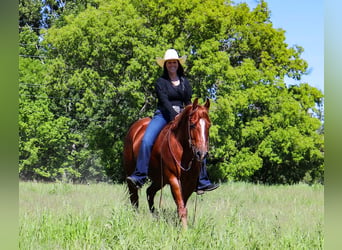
182	131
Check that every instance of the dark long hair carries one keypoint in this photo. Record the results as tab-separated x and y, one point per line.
180	71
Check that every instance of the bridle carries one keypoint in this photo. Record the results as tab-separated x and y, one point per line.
191	145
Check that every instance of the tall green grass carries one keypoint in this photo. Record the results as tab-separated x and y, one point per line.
235	216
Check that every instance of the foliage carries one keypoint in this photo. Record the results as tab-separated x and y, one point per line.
29	13
91	73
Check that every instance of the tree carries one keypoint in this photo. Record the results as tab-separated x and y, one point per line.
47	146
103	61
101	72
43	137
29	13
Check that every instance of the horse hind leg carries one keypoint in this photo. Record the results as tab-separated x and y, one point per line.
151	192
133	196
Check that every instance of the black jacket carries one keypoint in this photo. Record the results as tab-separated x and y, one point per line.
169	95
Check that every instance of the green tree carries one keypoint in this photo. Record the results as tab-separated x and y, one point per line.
29	13
43	137
47	146
104	68
100	75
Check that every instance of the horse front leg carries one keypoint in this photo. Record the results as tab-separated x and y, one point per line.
151	192
177	196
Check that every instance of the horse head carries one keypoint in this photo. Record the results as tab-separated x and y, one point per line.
198	129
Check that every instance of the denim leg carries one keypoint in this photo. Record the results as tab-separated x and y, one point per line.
203	180
152	131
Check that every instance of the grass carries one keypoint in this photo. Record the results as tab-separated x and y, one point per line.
235	216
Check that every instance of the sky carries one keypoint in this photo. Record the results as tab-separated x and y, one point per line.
303	22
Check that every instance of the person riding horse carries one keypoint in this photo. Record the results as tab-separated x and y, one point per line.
174	93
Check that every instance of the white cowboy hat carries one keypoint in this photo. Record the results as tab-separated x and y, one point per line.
170	54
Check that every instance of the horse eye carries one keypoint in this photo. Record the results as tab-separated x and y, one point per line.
192	125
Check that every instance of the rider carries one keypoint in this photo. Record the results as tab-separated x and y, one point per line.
173	92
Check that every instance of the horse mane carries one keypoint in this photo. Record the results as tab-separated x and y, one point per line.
176	123
189	110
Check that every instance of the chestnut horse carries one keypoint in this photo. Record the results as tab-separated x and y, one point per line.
176	156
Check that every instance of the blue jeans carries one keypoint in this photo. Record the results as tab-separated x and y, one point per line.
203	180
153	129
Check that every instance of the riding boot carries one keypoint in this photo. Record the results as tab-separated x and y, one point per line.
139	177
204	184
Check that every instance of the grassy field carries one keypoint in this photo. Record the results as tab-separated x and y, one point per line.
235	216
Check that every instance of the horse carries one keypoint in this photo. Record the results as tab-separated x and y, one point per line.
176	156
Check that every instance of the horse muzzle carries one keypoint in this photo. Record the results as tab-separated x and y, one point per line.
200	155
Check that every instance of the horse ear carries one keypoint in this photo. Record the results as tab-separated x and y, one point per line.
207	103
195	103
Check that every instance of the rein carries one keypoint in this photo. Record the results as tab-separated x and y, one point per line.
190	145
162	182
